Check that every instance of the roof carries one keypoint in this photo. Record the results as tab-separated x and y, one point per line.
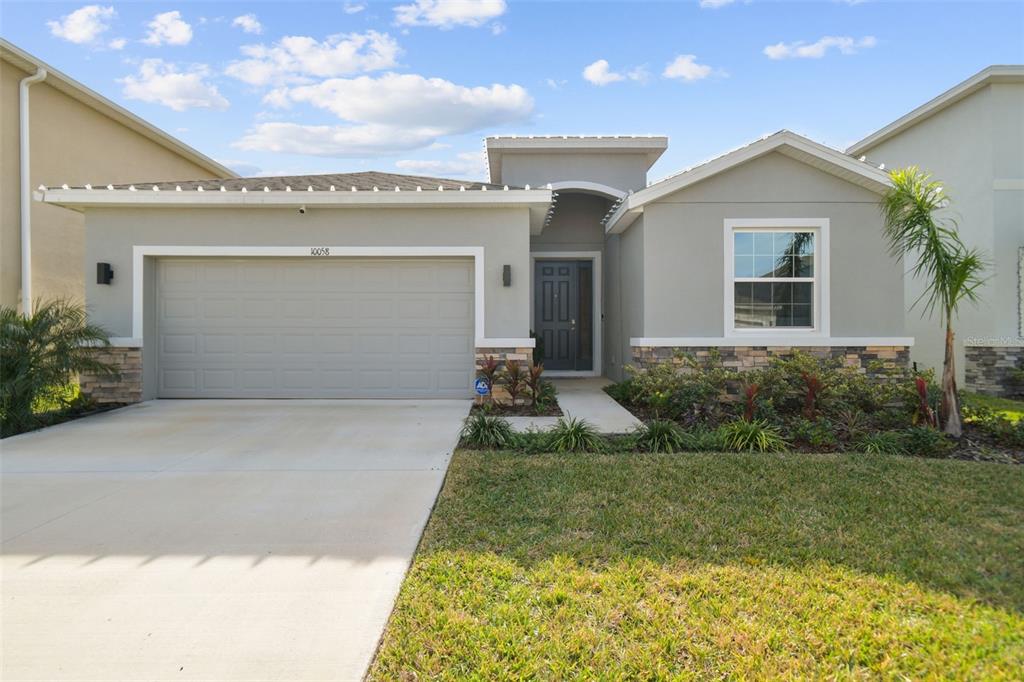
363	181
650	145
340	190
69	86
1011	73
785	142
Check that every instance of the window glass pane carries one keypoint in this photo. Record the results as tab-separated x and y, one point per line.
744	292
764	266
743	243
783	316
802	292
763	244
755	316
782	292
804	266
783	243
744	265
762	292
783	266
804	243
802	316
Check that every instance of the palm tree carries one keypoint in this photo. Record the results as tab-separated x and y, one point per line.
40	353
952	271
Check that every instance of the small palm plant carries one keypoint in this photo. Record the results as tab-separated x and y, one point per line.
40	354
952	271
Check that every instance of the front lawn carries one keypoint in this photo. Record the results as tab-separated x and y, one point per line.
722	566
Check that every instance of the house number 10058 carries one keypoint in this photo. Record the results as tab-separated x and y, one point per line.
320	251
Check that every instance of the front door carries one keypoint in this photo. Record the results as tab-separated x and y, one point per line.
563	312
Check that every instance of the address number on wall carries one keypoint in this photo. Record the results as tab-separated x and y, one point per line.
320	251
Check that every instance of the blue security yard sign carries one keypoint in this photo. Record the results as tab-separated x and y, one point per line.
480	385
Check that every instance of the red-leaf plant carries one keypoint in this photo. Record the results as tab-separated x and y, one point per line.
924	412
488	370
750	392
813	386
533	382
514	379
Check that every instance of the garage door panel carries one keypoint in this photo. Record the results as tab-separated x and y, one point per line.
333	327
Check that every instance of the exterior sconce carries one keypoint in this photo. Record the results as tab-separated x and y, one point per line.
506	275
104	273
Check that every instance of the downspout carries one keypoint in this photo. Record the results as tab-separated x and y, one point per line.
26	192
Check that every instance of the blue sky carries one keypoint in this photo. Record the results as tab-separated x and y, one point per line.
297	87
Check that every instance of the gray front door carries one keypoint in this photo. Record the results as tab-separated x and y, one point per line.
563	304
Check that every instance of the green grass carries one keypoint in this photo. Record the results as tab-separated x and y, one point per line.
720	566
1011	409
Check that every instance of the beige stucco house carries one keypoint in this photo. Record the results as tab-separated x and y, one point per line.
971	137
75	136
382	285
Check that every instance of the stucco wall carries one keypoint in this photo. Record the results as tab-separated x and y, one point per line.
71	143
972	146
503	232
624	296
576	225
683	259
620	170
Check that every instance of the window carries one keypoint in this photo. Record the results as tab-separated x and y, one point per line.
774	278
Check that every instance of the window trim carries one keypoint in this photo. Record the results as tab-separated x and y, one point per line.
820	307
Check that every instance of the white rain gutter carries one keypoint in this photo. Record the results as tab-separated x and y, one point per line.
26	191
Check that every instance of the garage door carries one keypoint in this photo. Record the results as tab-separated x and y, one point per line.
315	328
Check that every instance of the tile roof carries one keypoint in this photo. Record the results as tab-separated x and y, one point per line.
340	181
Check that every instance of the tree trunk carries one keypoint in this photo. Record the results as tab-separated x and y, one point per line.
949	408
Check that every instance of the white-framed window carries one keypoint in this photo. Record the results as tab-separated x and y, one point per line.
776	276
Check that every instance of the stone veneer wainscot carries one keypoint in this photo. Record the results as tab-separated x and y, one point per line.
866	359
990	369
125	387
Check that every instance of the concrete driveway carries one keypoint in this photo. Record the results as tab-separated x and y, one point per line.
242	540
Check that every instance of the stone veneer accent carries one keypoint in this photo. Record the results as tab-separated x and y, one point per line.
875	361
523	355
125	387
989	369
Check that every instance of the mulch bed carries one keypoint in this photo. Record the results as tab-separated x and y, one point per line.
505	410
61	416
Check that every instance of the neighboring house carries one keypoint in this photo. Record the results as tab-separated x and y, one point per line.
380	285
971	137
75	136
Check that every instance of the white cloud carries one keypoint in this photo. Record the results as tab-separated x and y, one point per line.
117	43
466	165
600	73
817	50
410	100
685	67
296	58
84	25
449	13
715	4
497	28
353	7
168	28
555	84
248	23
391	113
161	82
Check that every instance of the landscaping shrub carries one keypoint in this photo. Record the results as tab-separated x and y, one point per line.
660	435
816	433
754	436
882	443
703	440
995	425
515	379
40	354
851	424
488	369
484	431
924	441
573	434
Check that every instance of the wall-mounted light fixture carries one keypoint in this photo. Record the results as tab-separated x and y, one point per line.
506	275
104	273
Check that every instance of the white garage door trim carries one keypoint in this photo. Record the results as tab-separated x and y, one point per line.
140	252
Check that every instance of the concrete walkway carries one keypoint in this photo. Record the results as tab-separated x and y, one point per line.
586	399
214	540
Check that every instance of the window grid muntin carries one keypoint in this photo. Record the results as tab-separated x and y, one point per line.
810	309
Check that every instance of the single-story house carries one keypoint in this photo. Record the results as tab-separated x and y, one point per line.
382	285
971	138
54	129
